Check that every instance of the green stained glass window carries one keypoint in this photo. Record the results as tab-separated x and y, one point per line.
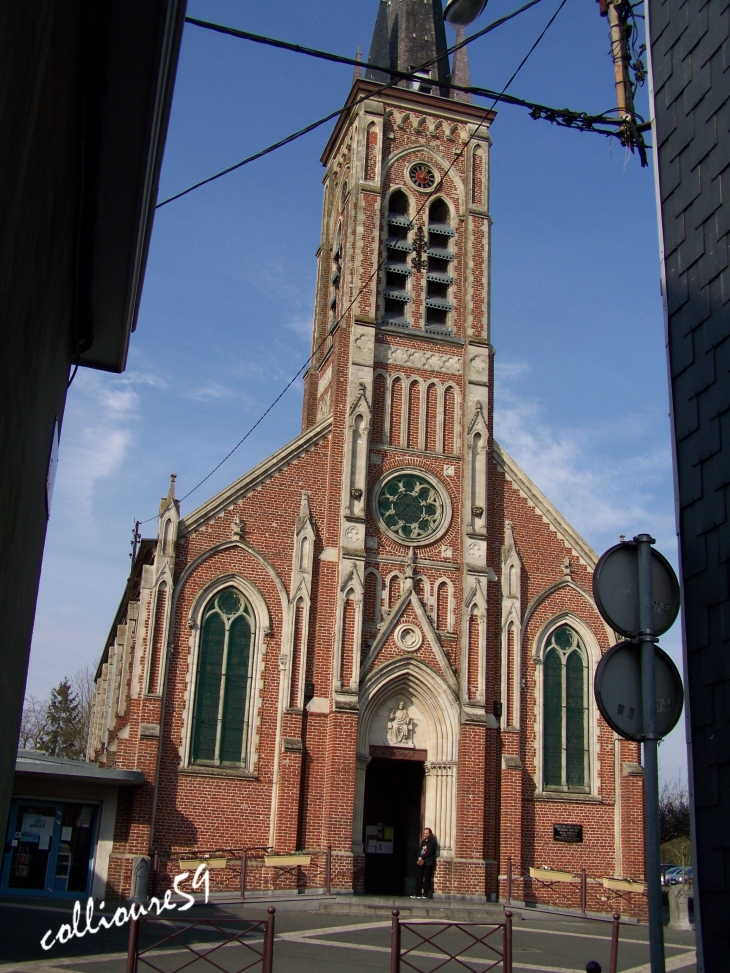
553	719
411	507
223	681
575	749
565	722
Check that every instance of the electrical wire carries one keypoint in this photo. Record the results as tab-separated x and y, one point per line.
565	116
343	315
335	114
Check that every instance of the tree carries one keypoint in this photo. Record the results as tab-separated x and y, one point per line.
83	685
34	724
64	723
674	826
674	812
60	725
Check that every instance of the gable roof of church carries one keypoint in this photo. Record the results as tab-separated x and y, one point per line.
272	465
536	498
408	33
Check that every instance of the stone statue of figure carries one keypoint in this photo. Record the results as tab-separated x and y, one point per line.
399	724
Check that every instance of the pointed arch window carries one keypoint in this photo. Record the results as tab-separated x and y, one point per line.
439	279
223	687
336	278
396	292
565	728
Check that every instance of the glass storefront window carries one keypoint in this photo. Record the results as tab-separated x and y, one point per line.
49	848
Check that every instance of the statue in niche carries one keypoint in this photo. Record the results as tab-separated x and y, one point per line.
400	726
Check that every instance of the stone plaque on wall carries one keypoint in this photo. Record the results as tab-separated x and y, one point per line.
572	833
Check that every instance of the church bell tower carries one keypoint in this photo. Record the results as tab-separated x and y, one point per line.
403	363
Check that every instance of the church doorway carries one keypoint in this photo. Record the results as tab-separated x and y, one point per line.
392	824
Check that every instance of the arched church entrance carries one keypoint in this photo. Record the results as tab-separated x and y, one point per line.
393	820
406	779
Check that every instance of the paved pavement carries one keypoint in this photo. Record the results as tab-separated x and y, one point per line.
314	942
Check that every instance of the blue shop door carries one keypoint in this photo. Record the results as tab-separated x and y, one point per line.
49	849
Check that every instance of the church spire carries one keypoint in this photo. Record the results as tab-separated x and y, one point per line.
409	33
461	74
357	73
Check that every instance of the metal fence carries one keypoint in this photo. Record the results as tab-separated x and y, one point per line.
474	946
421	945
176	946
260	869
623	893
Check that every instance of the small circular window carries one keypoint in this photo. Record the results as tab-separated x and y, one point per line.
411	507
422	176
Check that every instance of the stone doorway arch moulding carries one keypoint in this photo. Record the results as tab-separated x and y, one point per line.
439	709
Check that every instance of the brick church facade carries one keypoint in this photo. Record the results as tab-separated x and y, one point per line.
386	624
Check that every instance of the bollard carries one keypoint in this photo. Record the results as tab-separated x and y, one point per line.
268	959
509	881
133	946
507	959
395	943
614	943
328	872
244	867
583	891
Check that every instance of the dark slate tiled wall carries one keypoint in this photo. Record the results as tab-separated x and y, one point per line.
690	46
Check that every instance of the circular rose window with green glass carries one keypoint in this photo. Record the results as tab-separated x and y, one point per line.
411	507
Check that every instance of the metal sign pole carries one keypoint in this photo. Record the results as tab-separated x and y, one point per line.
647	637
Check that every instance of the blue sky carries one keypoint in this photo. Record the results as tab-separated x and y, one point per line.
581	388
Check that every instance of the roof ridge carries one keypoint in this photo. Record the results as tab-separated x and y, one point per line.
548	510
263	471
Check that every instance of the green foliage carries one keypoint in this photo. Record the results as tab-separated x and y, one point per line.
59	725
64	734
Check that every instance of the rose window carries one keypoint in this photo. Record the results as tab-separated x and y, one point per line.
410	507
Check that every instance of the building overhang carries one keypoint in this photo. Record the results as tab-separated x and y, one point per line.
32	763
132	51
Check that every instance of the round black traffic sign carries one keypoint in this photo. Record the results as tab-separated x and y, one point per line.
616	590
617	688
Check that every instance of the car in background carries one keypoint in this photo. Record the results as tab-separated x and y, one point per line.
673	875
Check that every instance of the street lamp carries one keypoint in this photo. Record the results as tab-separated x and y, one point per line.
463	12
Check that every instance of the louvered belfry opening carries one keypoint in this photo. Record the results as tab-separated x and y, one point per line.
396	293
439	279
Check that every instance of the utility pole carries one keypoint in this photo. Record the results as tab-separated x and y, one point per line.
618	56
618	12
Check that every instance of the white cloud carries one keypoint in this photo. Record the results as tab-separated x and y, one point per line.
214	392
97	434
301	326
98	454
598	474
144	378
509	370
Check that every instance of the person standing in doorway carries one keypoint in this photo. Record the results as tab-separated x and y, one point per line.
425	865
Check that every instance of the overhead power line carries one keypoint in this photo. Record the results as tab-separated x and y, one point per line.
335	114
571	117
565	117
366	284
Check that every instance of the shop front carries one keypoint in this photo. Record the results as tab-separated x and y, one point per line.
61	827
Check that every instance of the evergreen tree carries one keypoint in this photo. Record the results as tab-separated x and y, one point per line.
63	736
